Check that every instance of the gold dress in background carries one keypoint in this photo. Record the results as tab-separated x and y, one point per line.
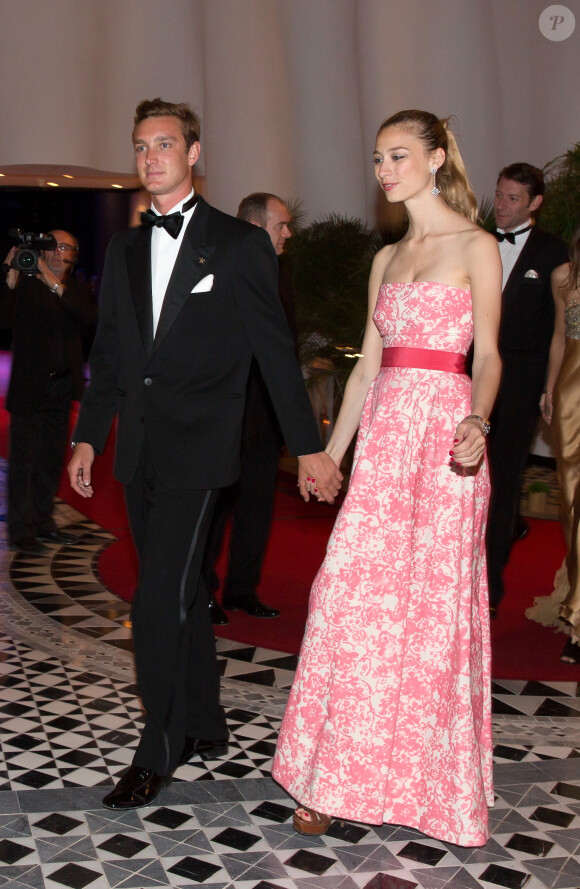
566	433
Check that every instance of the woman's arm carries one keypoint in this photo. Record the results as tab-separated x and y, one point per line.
364	371
559	278
485	274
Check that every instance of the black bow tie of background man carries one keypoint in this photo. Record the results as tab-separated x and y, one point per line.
172	222
510	237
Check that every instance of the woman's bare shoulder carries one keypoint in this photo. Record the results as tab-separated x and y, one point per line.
381	261
384	255
560	275
478	242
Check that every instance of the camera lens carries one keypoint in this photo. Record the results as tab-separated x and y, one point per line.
26	259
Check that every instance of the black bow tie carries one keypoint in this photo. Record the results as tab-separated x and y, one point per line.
172	222
510	237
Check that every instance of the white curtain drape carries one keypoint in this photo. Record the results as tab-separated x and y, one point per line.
290	92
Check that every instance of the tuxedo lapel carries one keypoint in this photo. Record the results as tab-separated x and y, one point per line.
139	271
522	263
191	265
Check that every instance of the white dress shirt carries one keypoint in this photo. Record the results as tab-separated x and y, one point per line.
164	250
510	252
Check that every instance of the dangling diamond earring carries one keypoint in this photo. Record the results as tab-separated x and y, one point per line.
434	190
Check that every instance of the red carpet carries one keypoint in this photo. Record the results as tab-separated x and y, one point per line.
296	548
522	649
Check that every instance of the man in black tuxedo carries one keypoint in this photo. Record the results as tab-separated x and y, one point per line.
251	500
48	313
529	256
186	302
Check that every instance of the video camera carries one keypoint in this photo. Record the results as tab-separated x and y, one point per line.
28	249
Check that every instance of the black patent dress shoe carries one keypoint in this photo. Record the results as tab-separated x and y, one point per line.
138	787
522	529
31	546
204	749
62	538
251	605
218	616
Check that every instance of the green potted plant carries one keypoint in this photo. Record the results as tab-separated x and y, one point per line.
538	496
330	261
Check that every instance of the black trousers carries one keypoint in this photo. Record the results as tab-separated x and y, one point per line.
513	422
37	448
250	502
177	670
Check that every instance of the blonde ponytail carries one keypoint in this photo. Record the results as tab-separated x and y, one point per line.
456	187
452	180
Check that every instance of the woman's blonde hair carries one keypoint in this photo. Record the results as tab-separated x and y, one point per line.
452	179
573	282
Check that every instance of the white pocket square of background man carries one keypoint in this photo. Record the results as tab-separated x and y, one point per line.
204	285
531	273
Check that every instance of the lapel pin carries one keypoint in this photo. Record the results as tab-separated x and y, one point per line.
201	259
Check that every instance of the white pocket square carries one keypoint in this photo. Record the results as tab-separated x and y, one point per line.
204	285
531	273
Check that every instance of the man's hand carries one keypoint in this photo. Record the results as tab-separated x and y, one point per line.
46	276
318	474
79	469
12	275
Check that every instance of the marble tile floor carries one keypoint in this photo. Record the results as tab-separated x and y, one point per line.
69	718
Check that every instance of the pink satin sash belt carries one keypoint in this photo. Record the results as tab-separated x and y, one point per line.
428	359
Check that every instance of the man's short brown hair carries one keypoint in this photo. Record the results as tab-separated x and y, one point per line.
188	119
530	177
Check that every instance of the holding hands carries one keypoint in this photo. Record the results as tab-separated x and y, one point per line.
469	442
318	475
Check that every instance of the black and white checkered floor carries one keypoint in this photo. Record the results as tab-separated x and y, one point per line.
69	718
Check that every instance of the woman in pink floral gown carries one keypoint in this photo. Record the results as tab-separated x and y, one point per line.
389	717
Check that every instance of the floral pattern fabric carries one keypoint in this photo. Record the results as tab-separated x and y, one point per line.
389	716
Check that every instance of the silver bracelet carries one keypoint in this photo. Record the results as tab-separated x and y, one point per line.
483	421
54	288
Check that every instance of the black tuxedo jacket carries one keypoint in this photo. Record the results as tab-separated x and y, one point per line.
46	336
184	390
527	320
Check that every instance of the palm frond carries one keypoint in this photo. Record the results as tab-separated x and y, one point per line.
486	217
560	212
331	260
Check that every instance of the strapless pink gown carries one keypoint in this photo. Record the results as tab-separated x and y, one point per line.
389	716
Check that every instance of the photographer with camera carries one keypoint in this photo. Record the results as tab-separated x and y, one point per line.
47	310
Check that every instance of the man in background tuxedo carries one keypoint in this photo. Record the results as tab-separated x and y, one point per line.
528	256
48	313
186	302
251	499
